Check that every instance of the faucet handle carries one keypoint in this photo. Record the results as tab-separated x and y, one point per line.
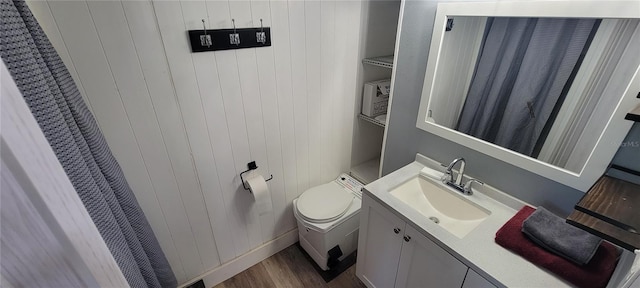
467	187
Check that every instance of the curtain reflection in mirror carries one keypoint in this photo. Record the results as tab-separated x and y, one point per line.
522	74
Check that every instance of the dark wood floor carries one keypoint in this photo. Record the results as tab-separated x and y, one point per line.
289	268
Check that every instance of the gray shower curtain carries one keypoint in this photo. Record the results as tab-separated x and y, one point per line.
522	69
72	132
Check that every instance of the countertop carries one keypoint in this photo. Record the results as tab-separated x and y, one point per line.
477	250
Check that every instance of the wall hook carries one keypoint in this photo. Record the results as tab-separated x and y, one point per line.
252	166
234	38
205	40
261	37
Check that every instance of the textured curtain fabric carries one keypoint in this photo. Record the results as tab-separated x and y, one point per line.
72	132
522	69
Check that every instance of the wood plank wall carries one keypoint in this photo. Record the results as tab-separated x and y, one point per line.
184	125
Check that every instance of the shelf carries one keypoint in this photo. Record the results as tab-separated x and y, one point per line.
371	120
604	230
382	61
366	172
609	210
634	115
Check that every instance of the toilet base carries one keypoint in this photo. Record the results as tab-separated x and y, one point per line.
318	244
328	275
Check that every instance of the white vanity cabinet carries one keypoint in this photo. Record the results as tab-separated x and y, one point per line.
391	253
379	244
423	263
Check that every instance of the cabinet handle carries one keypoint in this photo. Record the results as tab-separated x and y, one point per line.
407	238
396	230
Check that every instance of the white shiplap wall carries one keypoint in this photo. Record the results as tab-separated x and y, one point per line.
184	125
460	48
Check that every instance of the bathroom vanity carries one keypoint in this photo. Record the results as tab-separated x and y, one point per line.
394	245
402	246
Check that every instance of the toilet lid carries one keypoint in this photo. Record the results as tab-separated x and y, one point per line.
324	203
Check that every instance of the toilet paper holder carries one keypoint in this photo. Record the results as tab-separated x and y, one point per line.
252	166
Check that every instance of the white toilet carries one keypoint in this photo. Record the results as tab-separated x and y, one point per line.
328	217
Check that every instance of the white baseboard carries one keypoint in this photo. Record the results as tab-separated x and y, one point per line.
227	270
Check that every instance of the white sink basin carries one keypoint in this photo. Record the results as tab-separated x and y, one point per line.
441	204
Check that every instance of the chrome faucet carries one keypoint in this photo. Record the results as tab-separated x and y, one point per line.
449	173
447	178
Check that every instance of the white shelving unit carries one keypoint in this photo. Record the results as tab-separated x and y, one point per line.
379	27
369	170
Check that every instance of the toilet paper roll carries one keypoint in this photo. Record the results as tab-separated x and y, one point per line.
260	193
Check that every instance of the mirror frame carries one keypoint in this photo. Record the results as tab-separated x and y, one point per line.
616	128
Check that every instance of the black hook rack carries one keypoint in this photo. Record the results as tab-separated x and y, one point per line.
252	166
203	40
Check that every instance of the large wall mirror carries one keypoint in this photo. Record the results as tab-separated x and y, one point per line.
541	85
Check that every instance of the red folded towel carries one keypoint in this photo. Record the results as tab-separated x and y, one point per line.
596	273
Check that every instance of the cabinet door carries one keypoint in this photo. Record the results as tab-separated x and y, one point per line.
425	264
379	246
474	280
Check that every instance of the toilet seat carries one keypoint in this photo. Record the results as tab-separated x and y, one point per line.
324	203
